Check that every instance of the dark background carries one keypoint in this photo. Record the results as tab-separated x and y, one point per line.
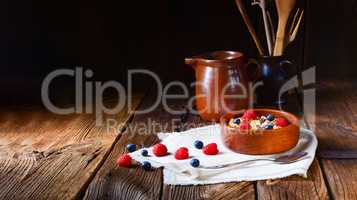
111	37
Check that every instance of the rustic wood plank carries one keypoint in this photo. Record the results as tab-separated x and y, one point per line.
112	182
336	117
341	176
242	190
336	130
48	156
296	187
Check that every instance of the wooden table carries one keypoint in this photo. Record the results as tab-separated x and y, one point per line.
47	156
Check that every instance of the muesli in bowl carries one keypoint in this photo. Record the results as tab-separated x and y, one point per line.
260	131
251	120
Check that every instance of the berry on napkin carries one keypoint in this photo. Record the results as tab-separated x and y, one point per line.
159	150
146	165
210	149
181	153
144	152
124	161
198	144
195	162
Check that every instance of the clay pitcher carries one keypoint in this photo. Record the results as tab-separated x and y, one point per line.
222	83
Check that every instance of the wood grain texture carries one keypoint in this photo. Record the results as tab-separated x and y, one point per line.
341	176
112	182
336	129
48	156
296	187
336	116
242	190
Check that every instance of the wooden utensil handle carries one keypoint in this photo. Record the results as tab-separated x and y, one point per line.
249	26
280	39
296	28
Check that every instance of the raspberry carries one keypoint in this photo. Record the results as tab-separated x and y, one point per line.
281	122
181	153
184	149
210	149
124	161
249	115
244	127
159	150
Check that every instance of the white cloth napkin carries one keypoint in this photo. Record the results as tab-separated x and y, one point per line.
179	172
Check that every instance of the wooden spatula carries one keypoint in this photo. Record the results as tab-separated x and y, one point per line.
284	8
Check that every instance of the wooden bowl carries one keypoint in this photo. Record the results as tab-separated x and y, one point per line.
261	142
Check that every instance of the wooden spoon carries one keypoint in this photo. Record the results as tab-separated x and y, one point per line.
263	7
249	26
272	29
284	8
294	29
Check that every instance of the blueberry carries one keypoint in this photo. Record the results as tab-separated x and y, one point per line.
270	117
144	152
198	144
236	121
195	163
146	165
131	147
269	126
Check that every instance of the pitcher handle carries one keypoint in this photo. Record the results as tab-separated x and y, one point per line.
191	62
285	62
257	71
287	65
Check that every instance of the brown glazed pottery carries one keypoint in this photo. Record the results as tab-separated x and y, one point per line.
261	142
218	75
